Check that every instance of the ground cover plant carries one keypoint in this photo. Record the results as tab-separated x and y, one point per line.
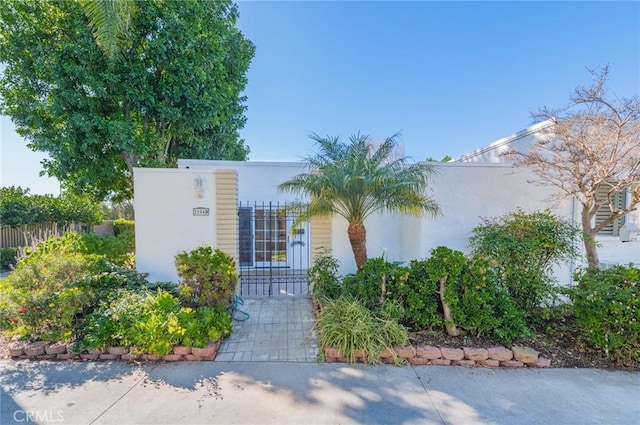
345	323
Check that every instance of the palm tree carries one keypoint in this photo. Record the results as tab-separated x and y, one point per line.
357	179
109	20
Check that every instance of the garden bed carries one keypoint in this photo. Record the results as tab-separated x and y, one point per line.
559	347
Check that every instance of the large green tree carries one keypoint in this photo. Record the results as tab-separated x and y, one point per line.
357	179
173	90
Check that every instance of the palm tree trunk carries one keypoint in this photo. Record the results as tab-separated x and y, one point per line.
358	238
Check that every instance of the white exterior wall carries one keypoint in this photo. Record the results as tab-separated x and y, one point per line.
384	237
165	224
469	192
164	199
257	181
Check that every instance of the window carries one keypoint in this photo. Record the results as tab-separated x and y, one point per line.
619	201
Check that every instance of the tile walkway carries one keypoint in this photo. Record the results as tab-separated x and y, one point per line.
279	329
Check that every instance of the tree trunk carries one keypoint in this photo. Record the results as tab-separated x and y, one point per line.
589	238
358	238
383	290
449	324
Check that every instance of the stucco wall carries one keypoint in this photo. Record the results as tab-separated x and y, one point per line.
469	192
257	181
165	224
466	192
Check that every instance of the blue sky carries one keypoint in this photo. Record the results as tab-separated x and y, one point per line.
450	76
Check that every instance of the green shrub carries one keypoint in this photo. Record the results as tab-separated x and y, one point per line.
118	250
42	296
113	278
207	277
157	328
153	323
345	323
122	225
378	281
607	310
48	296
204	325
421	299
524	248
8	258
112	323
473	292
324	278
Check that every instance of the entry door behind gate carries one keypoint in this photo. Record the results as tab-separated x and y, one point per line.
273	257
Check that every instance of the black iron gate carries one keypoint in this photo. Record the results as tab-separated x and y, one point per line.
273	256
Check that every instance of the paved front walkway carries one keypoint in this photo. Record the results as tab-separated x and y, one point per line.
278	329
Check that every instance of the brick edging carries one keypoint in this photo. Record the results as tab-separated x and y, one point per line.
498	356
47	350
446	356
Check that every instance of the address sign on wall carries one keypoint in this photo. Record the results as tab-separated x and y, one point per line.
200	211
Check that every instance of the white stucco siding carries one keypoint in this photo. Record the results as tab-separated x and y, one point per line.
612	251
165	224
467	193
257	181
384	237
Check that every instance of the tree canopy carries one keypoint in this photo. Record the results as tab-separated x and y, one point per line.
18	207
357	179
174	90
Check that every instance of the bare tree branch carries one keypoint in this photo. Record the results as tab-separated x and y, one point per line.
591	144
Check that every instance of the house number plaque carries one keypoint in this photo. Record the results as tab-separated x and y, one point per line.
200	211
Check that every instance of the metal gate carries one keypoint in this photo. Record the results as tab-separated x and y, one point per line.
273	256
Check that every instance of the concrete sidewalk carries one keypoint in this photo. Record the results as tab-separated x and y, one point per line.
307	393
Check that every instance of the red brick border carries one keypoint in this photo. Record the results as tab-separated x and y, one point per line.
57	351
444	356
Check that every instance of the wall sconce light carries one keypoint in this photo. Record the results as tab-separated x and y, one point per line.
198	187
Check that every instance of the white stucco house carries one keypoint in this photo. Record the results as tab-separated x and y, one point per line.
237	207
616	244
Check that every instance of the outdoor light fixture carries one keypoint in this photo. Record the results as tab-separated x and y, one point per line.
198	187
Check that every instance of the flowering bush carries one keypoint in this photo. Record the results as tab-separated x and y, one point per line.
41	298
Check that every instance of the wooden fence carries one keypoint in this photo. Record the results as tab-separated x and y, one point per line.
32	233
